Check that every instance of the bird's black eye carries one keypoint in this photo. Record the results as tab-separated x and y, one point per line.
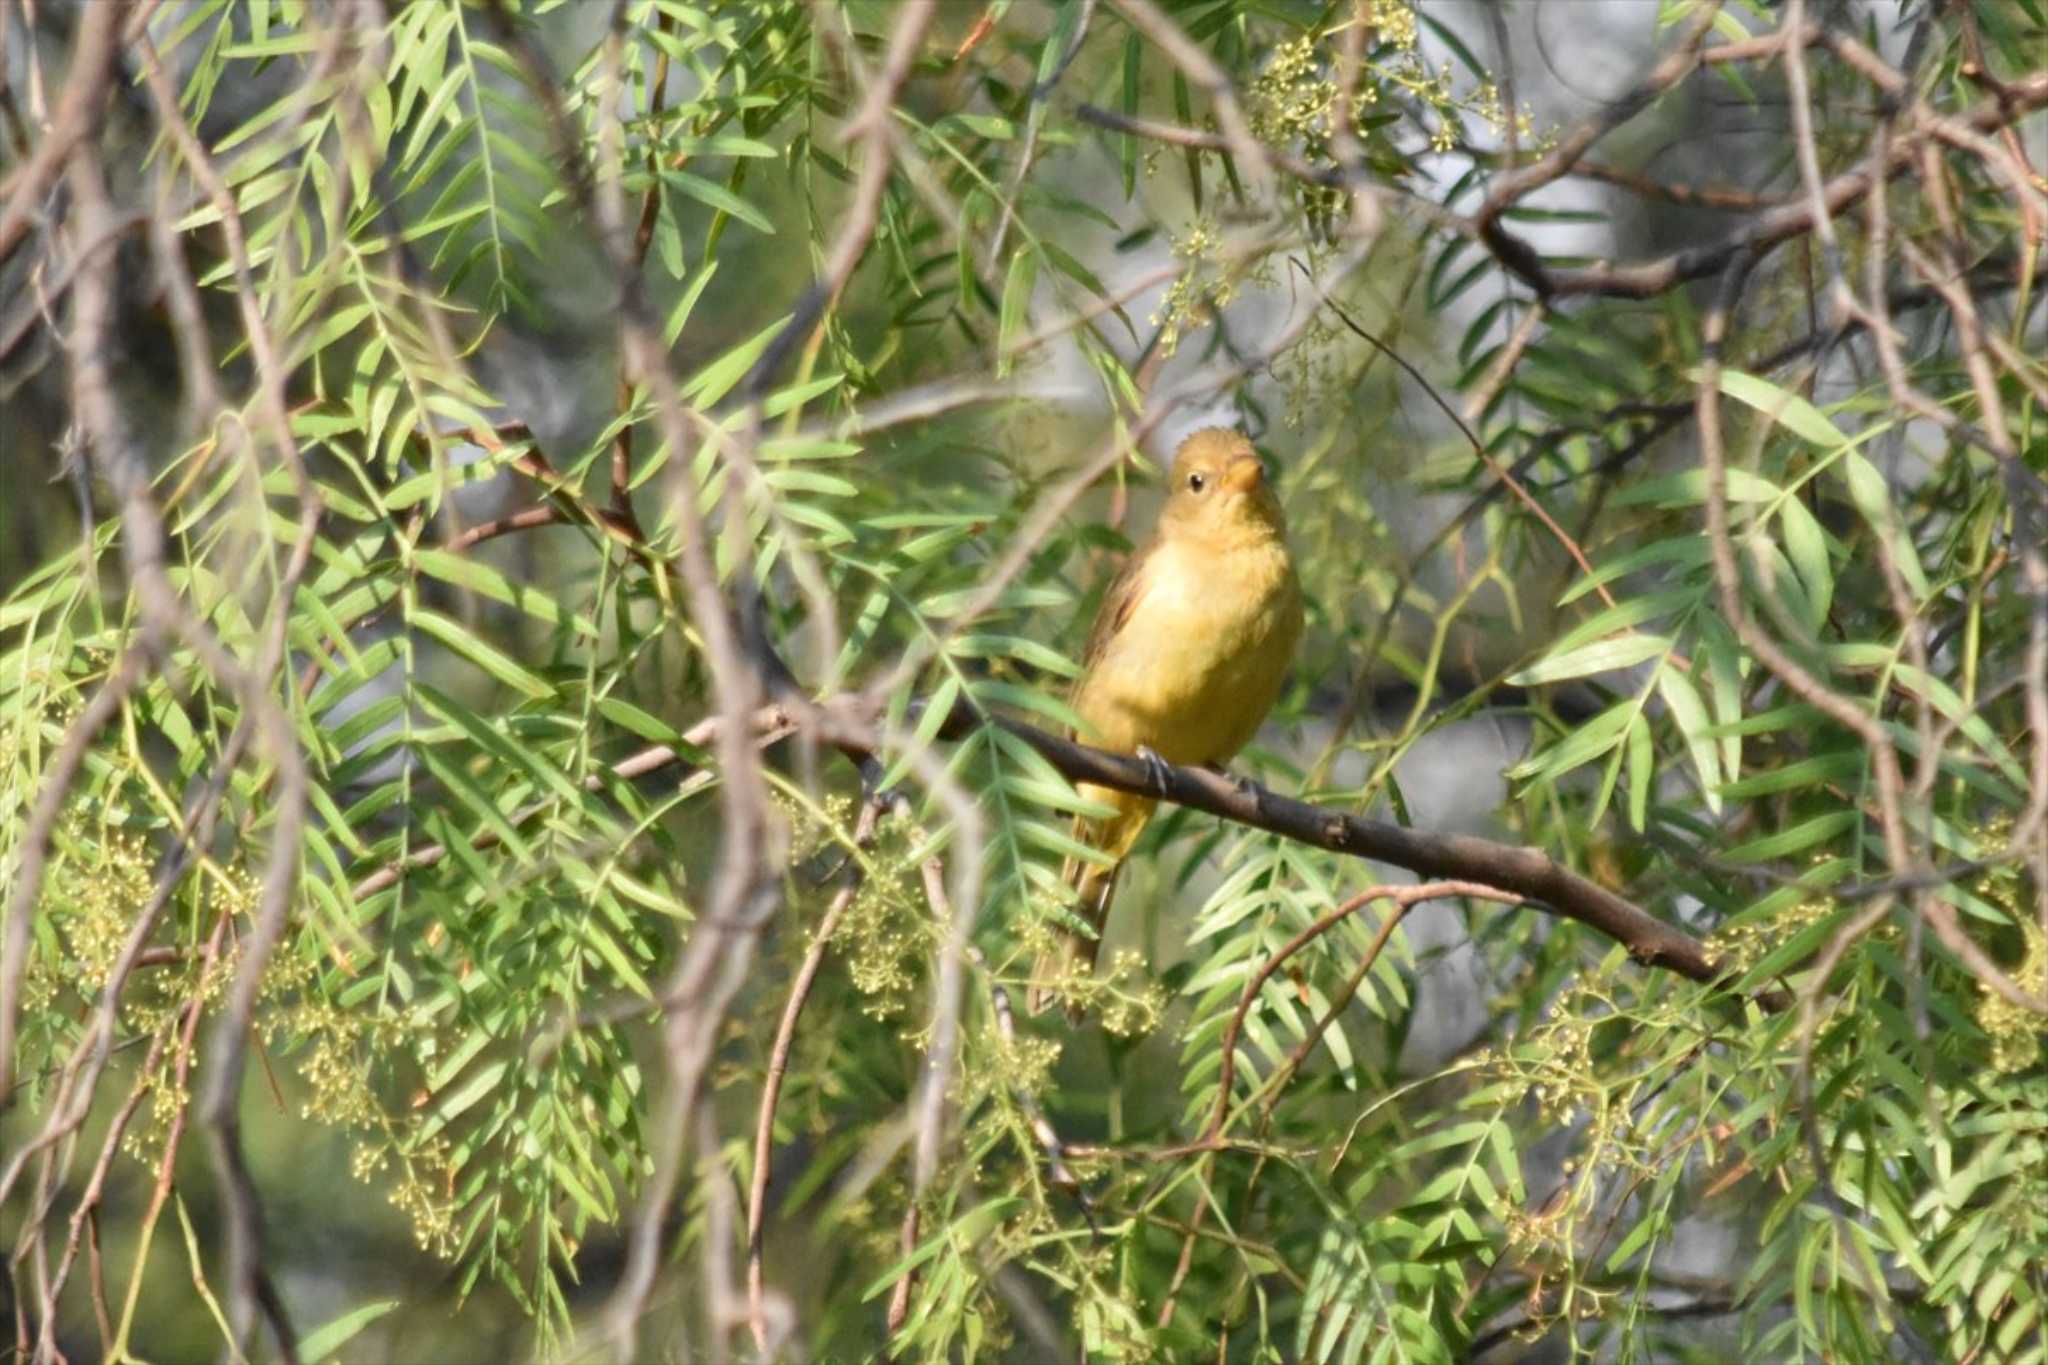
1195	482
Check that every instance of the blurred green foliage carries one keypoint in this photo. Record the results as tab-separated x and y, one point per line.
461	1034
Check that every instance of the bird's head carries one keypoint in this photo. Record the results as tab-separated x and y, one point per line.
1218	487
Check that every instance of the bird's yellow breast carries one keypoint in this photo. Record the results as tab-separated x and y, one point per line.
1193	671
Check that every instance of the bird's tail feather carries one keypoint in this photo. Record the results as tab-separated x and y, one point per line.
1072	953
1093	884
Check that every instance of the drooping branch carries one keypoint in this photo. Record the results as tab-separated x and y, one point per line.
1652	276
1648	278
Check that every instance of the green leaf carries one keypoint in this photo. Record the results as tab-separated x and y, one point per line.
715	380
459	1101
480	577
1798	839
491	659
330	1337
1586	741
1724	674
719	144
937	708
714	195
1806	545
615	957
1017	287
1623	651
627	716
686	303
1781	405
1872	496
1641	772
1689	713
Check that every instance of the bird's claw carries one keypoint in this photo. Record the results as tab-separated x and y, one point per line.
1245	787
1157	769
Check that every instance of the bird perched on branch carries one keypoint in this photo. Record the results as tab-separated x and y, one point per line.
1186	656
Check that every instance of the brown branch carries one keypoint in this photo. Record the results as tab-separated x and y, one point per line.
899	1295
1525	872
160	1191
121	463
1800	680
87	1208
1724	197
1404	898
847	721
1195	63
77	120
1648	278
871	127
1676	65
1528	873
1173	134
525	519
778	1066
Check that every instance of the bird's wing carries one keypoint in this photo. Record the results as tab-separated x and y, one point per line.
1072	955
1118	601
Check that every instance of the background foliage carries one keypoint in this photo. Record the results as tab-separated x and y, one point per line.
506	501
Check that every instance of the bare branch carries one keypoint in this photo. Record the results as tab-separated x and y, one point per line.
77	120
870	126
778	1067
1403	898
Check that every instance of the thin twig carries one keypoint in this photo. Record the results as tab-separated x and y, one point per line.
1403	897
76	121
778	1066
870	126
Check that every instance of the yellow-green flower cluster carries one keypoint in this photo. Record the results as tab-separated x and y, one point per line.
1291	98
812	829
424	1193
1200	290
150	1130
1558	1064
1123	996
1127	999
2014	1030
887	930
1742	945
1020	1064
1394	22
338	1048
97	901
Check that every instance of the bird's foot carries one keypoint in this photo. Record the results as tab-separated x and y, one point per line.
1156	768
1246	788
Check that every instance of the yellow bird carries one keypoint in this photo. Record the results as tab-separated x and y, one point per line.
1185	658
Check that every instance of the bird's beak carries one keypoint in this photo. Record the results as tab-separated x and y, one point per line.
1243	474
